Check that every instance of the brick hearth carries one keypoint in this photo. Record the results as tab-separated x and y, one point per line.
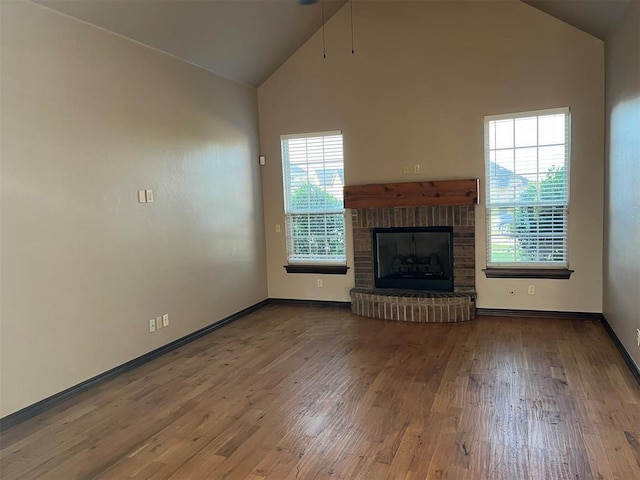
415	305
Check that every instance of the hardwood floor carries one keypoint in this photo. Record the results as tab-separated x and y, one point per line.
293	392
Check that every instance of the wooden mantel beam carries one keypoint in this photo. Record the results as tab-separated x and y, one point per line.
412	194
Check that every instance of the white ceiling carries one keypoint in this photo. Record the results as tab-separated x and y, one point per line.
592	16
244	40
247	40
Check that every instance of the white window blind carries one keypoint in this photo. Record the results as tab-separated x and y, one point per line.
527	172
313	170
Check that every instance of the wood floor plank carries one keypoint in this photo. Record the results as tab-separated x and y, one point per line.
295	392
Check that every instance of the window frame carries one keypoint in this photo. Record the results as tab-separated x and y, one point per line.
527	269
318	264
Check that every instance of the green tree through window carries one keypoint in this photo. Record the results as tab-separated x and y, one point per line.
316	234
539	226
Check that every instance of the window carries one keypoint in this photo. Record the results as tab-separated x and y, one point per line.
313	170
527	172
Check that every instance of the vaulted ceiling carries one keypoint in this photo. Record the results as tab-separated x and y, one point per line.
592	16
247	40
244	40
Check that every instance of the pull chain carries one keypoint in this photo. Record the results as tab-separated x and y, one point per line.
324	49
352	48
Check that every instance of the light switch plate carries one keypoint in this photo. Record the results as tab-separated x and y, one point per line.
149	195
142	196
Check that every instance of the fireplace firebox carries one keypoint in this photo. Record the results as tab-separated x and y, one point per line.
419	258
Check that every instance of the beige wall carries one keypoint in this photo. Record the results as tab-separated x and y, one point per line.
622	201
88	118
423	77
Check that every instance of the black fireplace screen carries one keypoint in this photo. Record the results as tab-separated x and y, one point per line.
413	258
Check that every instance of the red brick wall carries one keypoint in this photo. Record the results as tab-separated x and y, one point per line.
461	218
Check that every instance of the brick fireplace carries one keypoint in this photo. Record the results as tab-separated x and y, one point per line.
414	305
